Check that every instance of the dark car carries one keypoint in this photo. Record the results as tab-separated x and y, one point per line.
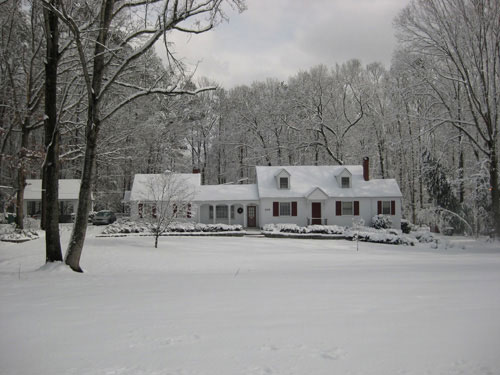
104	217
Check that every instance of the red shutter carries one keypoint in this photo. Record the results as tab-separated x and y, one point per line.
338	208
379	207
189	211
356	208
393	207
140	207
153	211
294	208
276	209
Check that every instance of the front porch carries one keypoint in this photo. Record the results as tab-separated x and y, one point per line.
231	213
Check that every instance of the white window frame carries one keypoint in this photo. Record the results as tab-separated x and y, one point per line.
345	210
386	208
221	212
285	209
348	179
282	180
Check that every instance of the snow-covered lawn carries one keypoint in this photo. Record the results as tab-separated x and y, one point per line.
228	306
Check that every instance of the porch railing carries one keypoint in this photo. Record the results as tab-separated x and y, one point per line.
317	221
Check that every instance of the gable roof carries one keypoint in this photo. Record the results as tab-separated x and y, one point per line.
306	178
282	171
316	193
141	190
68	189
343	171
227	193
141	187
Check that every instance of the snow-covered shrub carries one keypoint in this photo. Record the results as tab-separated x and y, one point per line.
284	228
19	235
448	231
390	236
423	234
31	224
405	226
126	227
324	229
381	222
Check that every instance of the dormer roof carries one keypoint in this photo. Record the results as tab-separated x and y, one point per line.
282	172
344	173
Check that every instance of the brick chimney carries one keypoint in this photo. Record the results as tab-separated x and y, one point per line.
196	170
366	168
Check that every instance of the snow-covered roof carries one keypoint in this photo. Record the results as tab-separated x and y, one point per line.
142	190
227	193
68	189
303	179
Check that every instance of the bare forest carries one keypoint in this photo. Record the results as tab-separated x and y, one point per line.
83	94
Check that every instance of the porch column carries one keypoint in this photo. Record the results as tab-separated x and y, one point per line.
229	214
214	210
245	223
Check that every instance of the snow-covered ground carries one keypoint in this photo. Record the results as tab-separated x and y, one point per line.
250	305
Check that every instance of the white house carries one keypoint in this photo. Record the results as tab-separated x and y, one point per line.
302	195
68	197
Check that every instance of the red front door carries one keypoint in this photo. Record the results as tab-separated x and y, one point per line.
316	213
251	216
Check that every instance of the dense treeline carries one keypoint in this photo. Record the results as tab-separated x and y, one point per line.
431	120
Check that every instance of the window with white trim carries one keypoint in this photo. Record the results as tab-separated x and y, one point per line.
221	212
285	209
346	182
284	183
386	207
347	208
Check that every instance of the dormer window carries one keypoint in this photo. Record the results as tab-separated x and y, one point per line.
346	182
282	179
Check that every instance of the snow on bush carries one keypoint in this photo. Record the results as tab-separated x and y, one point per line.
198	227
18	235
405	226
381	222
144	227
423	234
390	236
126	227
294	228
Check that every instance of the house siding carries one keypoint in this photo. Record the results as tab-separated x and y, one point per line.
266	212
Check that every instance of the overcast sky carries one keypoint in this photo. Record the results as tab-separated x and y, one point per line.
278	38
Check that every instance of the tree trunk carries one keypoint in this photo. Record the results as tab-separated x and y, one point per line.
495	194
51	164
75	246
21	179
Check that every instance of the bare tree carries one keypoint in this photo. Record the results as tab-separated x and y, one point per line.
106	68
21	67
444	54
167	198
